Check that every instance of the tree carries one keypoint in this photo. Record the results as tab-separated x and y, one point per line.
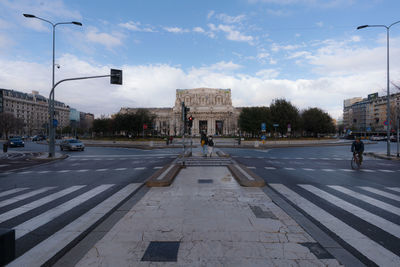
315	121
284	113
102	126
250	119
9	123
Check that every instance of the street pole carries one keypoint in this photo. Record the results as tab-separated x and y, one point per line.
398	122
52	148
387	80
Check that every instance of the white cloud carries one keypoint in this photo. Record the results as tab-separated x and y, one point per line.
175	30
199	29
308	3
210	14
320	24
279	12
231	33
276	47
268	74
136	26
106	39
230	19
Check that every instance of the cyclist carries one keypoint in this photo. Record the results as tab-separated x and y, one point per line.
358	147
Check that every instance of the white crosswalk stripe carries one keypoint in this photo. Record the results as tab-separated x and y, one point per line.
367	199
381	193
25	208
42	219
12	191
371	249
39	254
397	189
390	227
24	196
270	168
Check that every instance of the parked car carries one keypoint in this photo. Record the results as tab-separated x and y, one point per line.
72	144
393	138
15	142
38	138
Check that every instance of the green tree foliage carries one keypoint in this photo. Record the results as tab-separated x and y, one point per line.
315	121
10	124
131	123
284	113
250	119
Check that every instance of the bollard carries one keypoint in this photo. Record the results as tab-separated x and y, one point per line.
5	147
7	246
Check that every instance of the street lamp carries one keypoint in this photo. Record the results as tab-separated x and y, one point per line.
388	91
51	96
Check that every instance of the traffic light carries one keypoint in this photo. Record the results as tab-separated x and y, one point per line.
190	121
116	76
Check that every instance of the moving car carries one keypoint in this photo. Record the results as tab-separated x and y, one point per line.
15	142
38	138
72	144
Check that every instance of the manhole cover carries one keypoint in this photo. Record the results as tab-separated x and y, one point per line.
161	251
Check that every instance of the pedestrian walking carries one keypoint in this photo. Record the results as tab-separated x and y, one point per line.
210	145
204	142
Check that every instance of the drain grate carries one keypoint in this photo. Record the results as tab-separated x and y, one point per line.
317	250
259	213
205	181
162	251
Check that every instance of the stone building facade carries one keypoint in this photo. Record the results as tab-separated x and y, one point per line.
211	109
33	110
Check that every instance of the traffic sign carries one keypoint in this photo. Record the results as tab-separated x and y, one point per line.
386	123
55	122
263	137
144	126
263	127
275	125
368	129
289	128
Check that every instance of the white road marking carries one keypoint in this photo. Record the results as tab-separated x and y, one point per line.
42	219
12	191
101	170
337	158
328	170
290	169
367	216
270	168
24	196
299	158
325	158
26	172
64	171
308	169
42	172
30	206
123	156
120	169
139	168
82	170
386	171
157	167
40	254
369	248
366	170
4	165
397	189
369	200
381	193
347	170
251	167
312	158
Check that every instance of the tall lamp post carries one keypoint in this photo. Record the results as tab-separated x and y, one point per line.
388	91
51	96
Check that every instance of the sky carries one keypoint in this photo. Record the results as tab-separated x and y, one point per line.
308	52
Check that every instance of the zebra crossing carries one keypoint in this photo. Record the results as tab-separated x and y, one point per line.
34	212
365	218
303	158
325	169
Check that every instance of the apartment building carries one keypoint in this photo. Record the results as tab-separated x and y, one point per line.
369	114
32	109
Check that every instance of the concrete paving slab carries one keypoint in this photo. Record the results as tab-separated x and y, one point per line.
213	222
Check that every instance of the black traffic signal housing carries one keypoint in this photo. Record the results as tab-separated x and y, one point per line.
190	121
116	76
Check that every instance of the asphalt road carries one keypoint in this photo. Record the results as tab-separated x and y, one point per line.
40	200
359	209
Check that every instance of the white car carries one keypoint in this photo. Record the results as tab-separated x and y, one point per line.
72	144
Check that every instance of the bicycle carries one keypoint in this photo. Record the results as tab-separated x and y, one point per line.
355	162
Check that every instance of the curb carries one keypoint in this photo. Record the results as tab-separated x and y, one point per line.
164	176
371	154
245	177
222	154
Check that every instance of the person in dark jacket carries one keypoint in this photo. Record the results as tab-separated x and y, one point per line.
358	147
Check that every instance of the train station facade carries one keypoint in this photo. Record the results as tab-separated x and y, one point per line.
211	109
